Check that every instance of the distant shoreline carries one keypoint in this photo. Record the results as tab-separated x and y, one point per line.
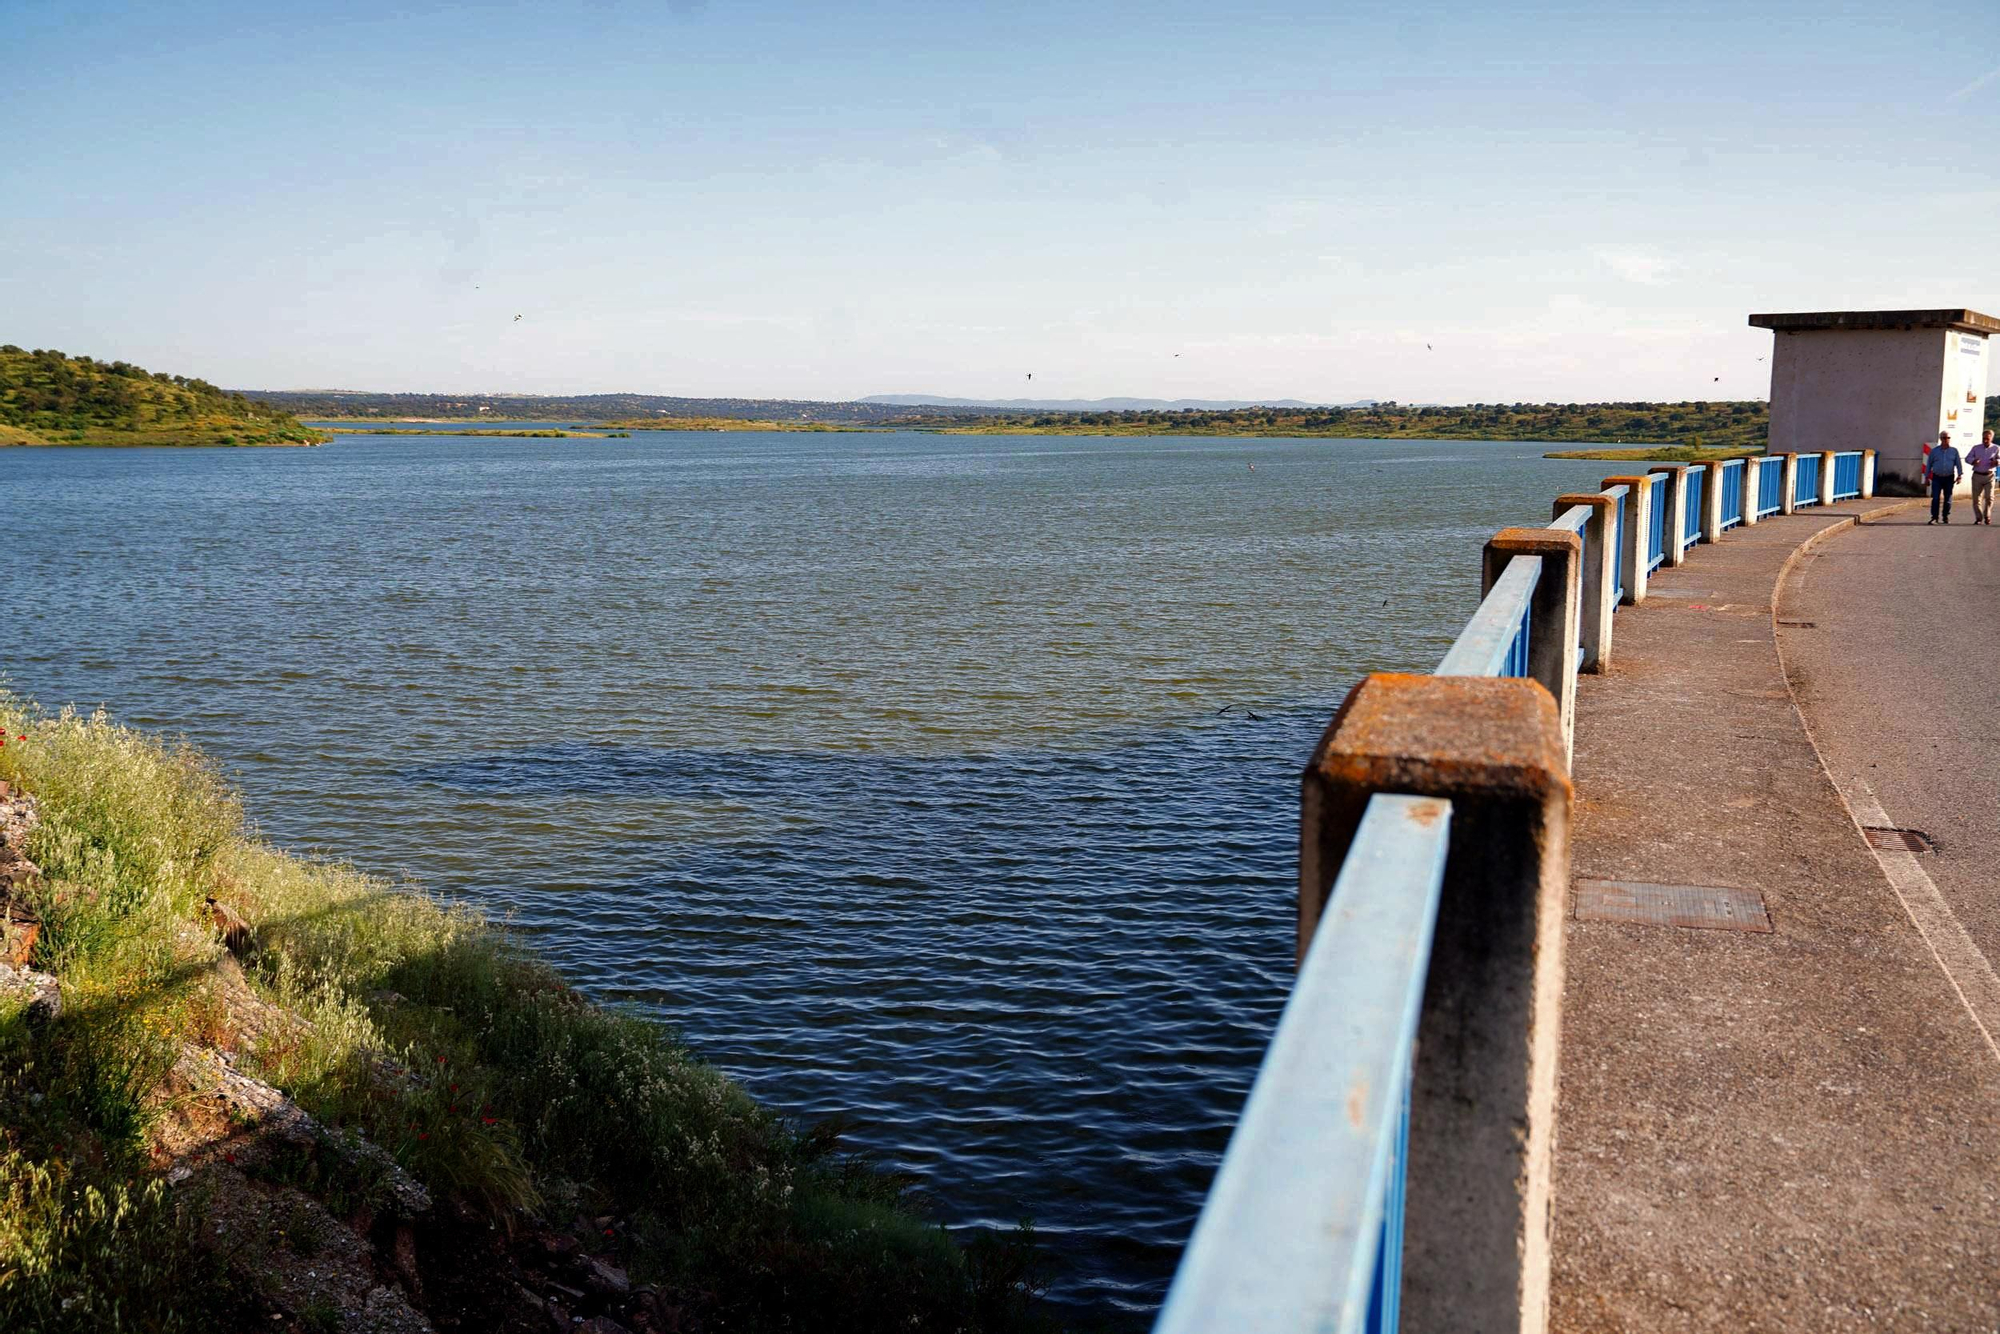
539	433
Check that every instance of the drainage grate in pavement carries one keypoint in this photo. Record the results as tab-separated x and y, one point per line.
1710	907
1898	840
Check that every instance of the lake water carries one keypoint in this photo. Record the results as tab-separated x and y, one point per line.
913	778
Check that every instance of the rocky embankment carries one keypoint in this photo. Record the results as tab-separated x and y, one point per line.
321	1228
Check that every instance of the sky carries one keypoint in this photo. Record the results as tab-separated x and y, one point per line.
1446	203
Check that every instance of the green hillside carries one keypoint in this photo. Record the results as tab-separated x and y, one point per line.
48	398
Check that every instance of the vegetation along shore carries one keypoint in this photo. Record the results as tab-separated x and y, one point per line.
49	398
1734	426
241	1089
510	435
1661	454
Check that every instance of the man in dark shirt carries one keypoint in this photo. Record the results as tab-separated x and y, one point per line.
1945	468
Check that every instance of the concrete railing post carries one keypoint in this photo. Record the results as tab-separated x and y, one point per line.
1552	616
1788	485
1826	478
1483	1087
1867	474
1711	504
1597	590
1676	503
1752	471
1637	515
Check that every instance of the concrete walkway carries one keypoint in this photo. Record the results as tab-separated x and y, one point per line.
1792	1129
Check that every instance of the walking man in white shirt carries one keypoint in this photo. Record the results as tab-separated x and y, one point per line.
1983	458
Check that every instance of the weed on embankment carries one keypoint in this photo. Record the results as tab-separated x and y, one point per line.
413	1025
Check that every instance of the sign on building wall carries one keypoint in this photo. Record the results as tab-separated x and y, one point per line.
1963	411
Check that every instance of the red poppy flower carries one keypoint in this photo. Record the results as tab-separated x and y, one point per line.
609	1233
423	1134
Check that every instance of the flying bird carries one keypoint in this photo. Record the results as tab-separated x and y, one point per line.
517	319
1718	379
1429	348
1031	375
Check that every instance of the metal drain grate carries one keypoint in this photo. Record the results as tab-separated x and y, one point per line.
1704	907
1898	840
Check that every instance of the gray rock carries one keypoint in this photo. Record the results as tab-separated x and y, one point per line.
41	991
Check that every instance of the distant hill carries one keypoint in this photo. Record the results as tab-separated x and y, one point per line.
1102	404
354	404
49	398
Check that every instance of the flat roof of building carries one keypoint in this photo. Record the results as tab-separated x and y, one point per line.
1971	321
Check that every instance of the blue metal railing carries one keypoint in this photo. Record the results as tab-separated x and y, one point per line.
1695	480
1656	539
1623	495
1770	481
1495	641
1805	483
1846	475
1303	1226
1732	493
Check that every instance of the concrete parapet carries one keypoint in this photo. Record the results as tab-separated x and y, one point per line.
1826	477
1867	474
1483	1087
1676	503
1752	471
1788	484
1638	512
1597	588
1552	616
1711	503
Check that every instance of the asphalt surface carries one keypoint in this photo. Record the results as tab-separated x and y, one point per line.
1891	634
1791	1130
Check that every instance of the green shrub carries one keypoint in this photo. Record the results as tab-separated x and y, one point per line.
83	1257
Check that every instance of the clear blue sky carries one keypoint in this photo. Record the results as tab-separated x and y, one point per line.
814	200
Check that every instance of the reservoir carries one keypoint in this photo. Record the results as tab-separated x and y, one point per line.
944	784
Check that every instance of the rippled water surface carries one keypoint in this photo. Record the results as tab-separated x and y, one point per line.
947	783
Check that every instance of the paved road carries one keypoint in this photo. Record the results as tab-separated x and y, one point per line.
1796	1129
1891	634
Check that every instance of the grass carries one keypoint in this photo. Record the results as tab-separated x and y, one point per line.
429	1031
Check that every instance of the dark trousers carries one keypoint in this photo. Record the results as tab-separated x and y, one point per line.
1941	492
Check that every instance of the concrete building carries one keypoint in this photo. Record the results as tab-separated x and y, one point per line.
1886	380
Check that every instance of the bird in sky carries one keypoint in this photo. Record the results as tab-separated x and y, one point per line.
517	319
1031	375
1429	348
1718	379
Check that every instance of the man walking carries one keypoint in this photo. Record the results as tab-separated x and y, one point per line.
1945	468
1984	458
